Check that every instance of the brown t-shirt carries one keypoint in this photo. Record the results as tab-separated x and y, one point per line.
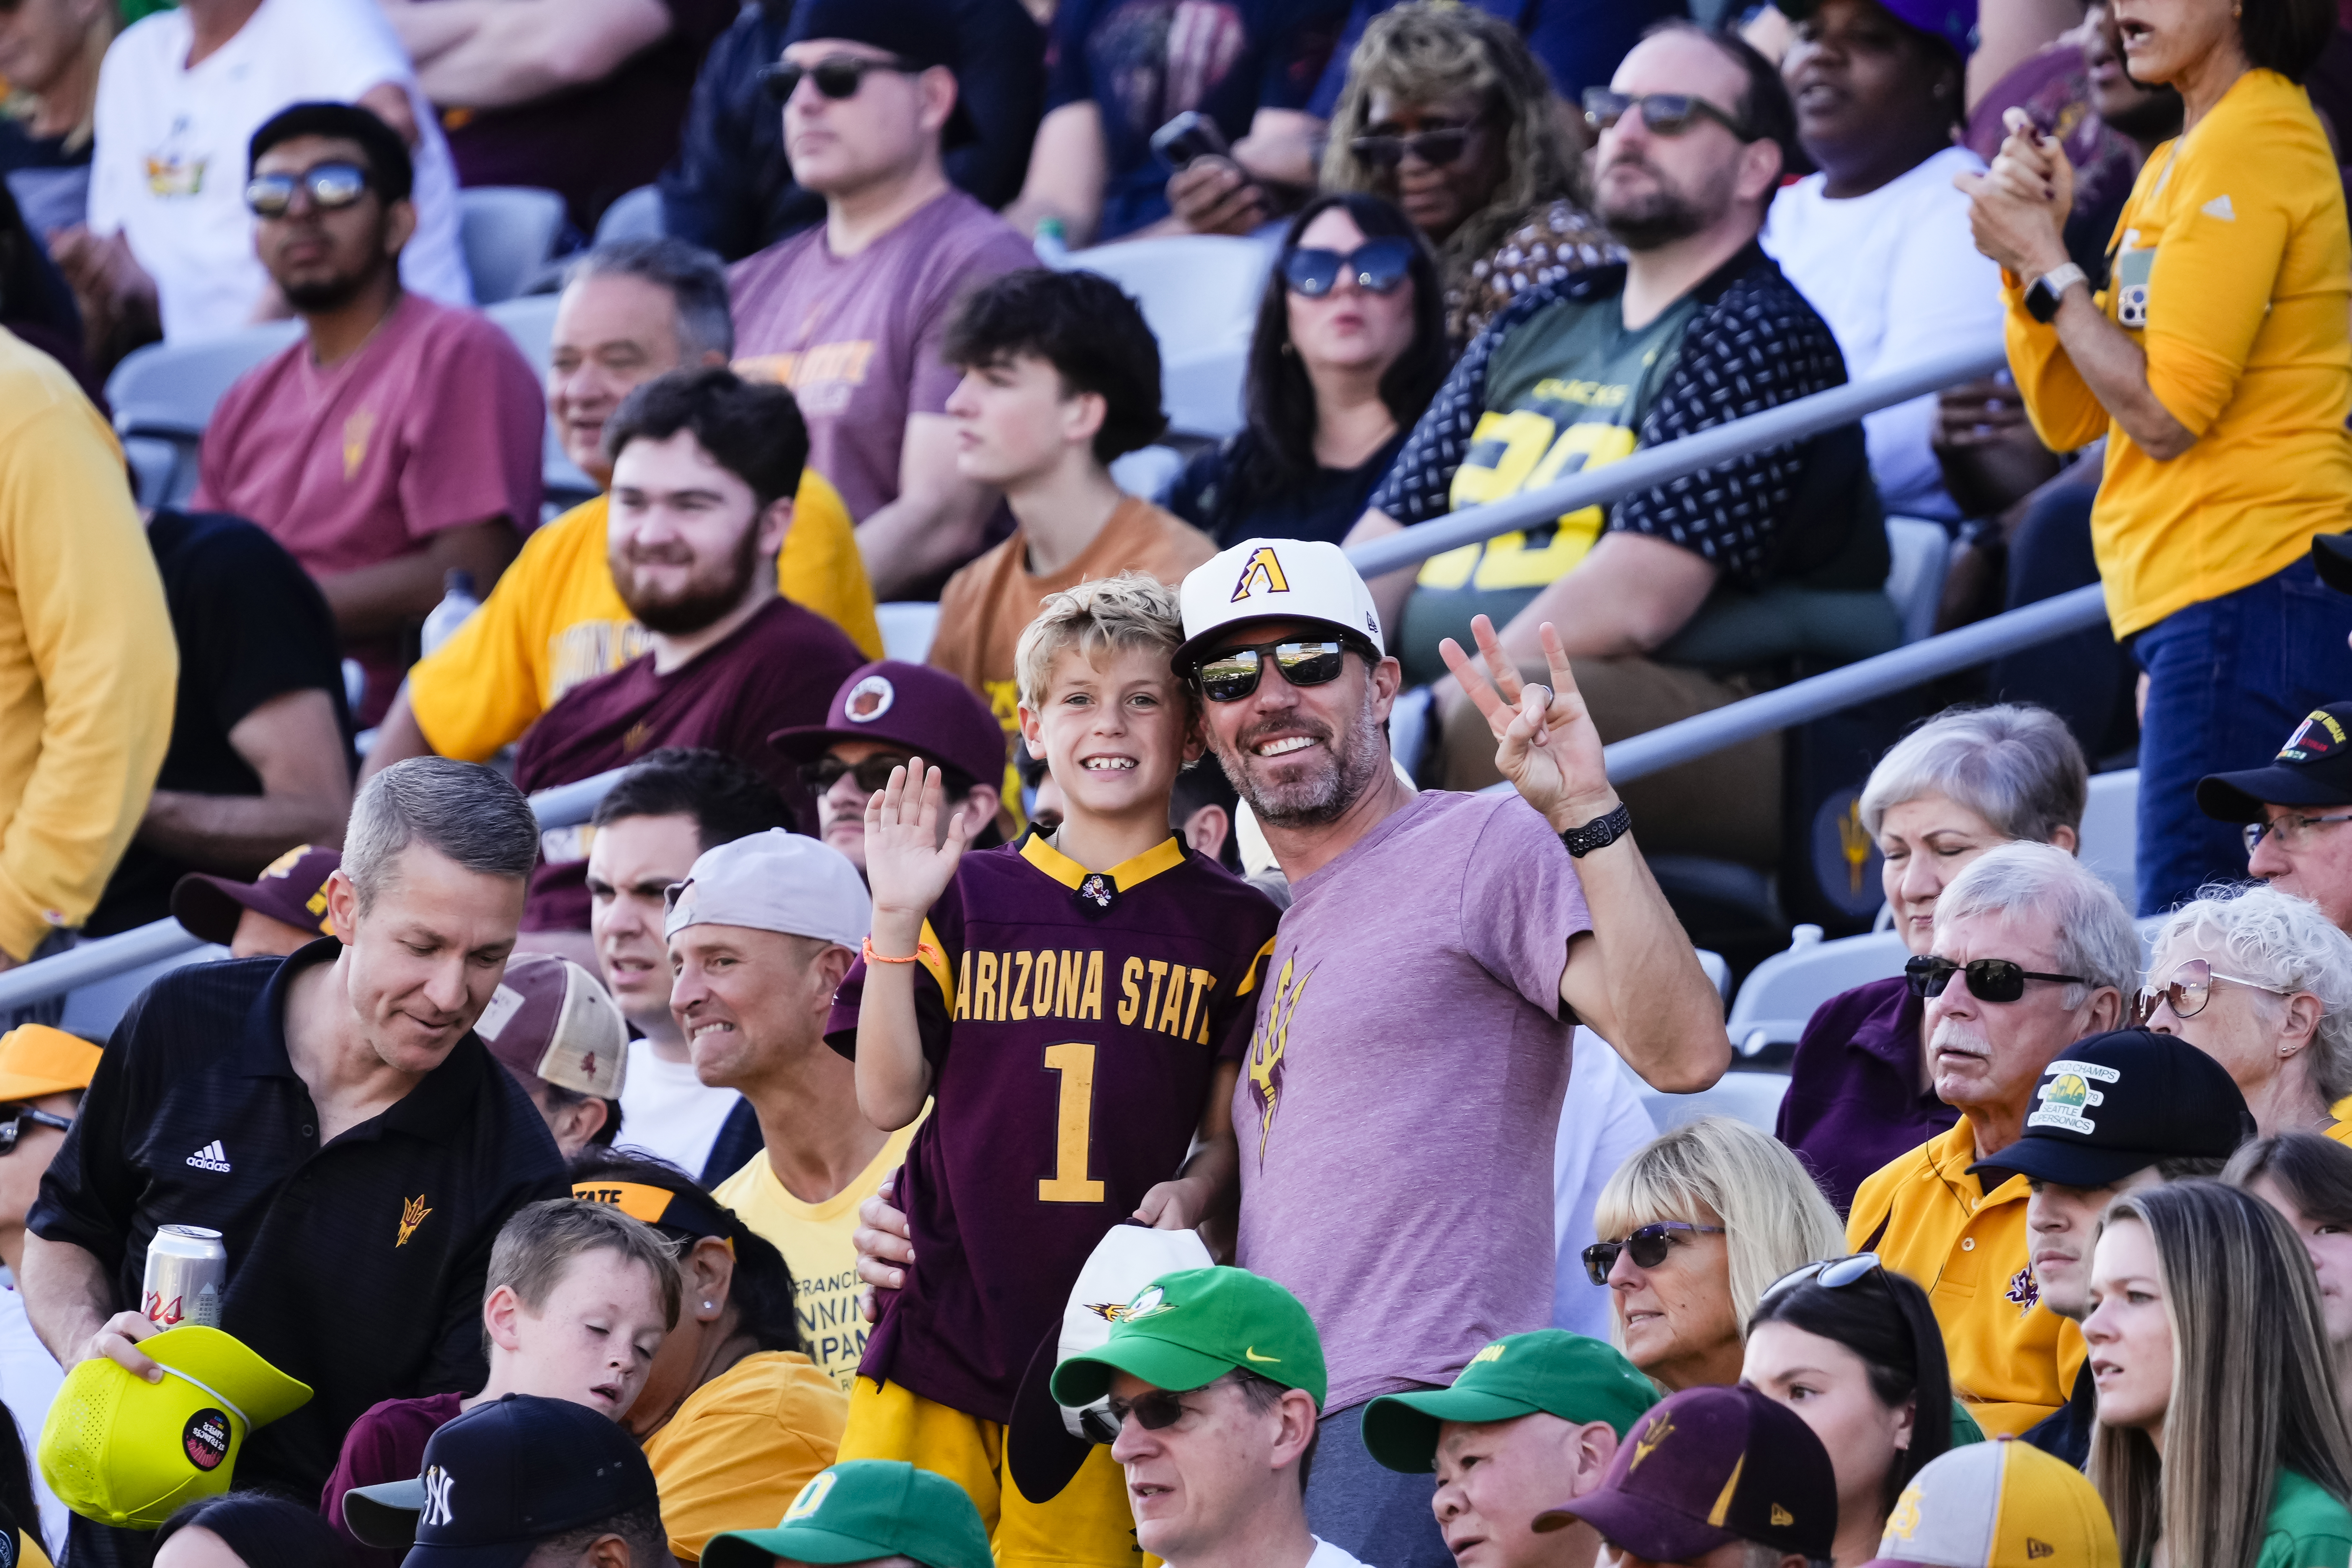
989	604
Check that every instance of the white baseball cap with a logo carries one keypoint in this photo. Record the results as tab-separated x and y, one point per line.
776	881
1271	579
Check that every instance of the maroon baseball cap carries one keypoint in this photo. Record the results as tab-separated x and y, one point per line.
923	711
1707	1466
292	888
551	1019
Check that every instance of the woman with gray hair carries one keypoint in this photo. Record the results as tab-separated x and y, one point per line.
2261	982
1967	781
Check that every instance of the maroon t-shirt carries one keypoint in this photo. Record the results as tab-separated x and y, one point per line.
1071	1062
777	669
385	1443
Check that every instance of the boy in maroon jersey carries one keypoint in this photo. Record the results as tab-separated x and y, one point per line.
1075	1007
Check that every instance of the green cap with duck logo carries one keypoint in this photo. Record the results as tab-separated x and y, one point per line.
860	1510
1551	1370
1186	1329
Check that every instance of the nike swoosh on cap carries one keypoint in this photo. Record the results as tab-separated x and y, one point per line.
1251	1351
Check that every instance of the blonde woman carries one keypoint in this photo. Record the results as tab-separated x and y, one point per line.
2220	1441
1696	1225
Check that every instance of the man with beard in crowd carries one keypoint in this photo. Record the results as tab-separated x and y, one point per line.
704	468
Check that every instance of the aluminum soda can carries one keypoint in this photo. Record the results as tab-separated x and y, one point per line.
187	1273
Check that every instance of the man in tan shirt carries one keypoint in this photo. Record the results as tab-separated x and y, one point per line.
1061	376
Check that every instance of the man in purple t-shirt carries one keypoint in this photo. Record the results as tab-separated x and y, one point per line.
400	439
704	469
850	315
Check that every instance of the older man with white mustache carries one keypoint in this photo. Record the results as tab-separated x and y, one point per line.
2032	952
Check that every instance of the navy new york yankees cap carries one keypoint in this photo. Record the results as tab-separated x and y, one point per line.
502	1478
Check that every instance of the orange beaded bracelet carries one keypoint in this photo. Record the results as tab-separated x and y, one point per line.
922	949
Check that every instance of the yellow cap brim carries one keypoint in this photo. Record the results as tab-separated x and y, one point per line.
222	1365
36	1059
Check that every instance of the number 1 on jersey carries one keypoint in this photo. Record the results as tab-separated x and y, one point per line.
1074	1060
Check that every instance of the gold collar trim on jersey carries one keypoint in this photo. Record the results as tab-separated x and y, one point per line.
1128	874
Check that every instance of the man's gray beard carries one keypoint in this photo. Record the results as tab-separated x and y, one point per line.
1324	797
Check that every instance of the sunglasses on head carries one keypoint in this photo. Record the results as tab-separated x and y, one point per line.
1831	1273
1664	114
18	1116
1989	979
328	186
1435	148
836	76
1377	265
1648	1246
872	774
2188	990
1234	674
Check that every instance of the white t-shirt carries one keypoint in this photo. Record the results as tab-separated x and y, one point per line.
1601	1123
1898	279
667	1111
169	165
29	1377
1329	1556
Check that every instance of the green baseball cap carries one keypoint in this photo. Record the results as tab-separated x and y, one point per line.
1552	1370
860	1510
1186	1329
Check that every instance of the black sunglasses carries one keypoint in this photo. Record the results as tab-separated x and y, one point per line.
836	76
1831	1273
14	1126
1377	265
1667	113
1648	1244
1989	979
1234	674
872	774
1435	148
329	185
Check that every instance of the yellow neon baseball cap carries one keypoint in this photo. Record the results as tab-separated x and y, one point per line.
127	1452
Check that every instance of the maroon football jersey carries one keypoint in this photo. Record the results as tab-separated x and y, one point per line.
777	670
1072	1023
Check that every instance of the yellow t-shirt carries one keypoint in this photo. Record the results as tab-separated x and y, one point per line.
2013	1359
2233	271
555	620
741	1447
816	1241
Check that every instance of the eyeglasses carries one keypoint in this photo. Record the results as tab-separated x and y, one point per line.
1989	979
836	76
330	186
2191	987
1648	1245
1377	266
1234	674
2290	830
872	774
14	1126
1830	1273
1435	148
1666	113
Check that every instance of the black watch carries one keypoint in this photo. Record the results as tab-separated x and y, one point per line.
1599	833
2042	298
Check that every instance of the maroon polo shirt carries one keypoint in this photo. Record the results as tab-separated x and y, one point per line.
777	669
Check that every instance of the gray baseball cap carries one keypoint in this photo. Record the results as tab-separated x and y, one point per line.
775	880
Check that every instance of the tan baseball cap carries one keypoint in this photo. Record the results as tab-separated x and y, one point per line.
551	1019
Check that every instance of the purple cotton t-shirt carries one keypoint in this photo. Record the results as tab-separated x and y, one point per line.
1401	1096
432	424
858	339
1072	1047
776	671
1854	1101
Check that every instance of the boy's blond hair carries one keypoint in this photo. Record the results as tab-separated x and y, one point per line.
540	1240
1097	617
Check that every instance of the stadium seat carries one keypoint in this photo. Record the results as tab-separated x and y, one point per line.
1750	1097
1781	993
1199	295
636	216
1148	472
1922	552
164	395
2111	832
530	322
508	232
93	1010
907	627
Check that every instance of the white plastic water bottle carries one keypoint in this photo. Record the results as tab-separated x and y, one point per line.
458	602
1053	242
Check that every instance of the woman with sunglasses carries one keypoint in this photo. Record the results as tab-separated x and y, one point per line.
1447	114
1350	348
1968	780
1697	1224
2221	1441
1854	1350
2262	983
2308	1179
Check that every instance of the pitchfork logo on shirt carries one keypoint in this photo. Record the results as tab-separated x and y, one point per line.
1268	1048
2023	1290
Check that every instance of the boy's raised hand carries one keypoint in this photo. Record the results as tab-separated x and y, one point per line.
906	866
